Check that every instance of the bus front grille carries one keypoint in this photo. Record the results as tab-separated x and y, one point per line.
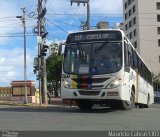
92	80
89	93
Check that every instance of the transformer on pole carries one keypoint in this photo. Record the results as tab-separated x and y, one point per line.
88	10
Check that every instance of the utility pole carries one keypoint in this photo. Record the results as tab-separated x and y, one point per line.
88	10
39	49
41	52
25	66
88	15
45	97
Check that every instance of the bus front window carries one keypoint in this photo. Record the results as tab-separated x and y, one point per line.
93	58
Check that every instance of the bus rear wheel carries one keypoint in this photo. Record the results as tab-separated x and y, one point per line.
147	105
127	105
85	105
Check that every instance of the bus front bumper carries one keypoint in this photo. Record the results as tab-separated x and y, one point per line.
100	94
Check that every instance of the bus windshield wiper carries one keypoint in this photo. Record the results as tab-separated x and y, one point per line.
99	48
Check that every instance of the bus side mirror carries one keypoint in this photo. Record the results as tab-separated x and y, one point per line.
127	68
61	48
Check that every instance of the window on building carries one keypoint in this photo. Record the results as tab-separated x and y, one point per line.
130	24
127	36
158	5
135	44
126	27
130	12
126	16
135	32
134	20
134	9
130	35
129	2
158	18
158	30
125	5
159	42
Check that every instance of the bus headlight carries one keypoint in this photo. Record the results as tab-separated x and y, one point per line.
66	84
115	83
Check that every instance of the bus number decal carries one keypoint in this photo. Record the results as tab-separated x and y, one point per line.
65	76
132	77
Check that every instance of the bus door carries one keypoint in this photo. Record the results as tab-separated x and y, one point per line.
127	70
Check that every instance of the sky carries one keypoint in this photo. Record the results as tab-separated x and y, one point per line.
61	19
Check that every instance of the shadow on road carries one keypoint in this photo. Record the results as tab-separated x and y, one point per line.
63	109
54	109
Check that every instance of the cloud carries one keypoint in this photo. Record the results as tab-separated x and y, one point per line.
11	49
97	7
9	24
106	7
102	10
12	64
6	20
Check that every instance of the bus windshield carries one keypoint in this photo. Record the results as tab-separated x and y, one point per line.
93	58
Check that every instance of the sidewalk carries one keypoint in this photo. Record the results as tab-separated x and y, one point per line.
53	102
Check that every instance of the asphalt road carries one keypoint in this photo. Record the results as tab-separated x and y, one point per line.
72	119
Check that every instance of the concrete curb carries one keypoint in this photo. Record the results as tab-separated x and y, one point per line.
54	102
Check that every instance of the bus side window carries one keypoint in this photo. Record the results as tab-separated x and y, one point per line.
125	54
131	56
150	78
135	58
140	66
127	58
147	75
143	70
130	60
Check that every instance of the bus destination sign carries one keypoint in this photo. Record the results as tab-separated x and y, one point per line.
94	36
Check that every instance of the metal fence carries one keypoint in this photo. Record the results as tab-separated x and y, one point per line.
5	93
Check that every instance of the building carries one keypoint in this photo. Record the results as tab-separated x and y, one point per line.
142	27
119	26
102	25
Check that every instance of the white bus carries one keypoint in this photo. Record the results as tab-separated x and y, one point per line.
102	66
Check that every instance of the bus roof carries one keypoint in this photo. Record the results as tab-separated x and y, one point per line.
96	30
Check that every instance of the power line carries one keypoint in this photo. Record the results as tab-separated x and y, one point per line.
16	33
57	26
15	36
52	36
69	24
50	32
77	15
50	29
71	14
11	24
1	27
7	17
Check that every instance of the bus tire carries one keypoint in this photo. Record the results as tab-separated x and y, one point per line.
141	106
127	105
115	104
147	105
85	105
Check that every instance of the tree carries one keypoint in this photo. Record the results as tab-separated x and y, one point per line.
54	69
156	82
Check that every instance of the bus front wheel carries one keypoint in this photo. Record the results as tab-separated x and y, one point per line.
126	105
84	105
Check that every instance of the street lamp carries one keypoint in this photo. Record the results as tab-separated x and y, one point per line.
25	66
